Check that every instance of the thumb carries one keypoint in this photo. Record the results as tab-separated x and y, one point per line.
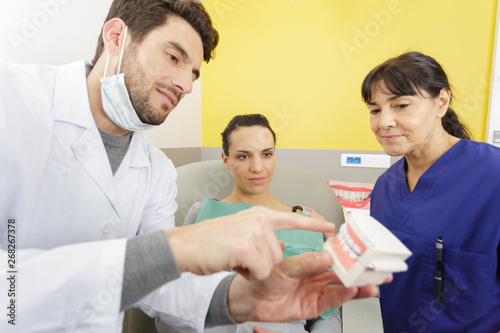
306	264
282	244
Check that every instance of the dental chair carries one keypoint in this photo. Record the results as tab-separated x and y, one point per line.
290	185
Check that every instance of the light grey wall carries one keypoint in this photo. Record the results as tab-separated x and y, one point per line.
181	156
326	164
323	163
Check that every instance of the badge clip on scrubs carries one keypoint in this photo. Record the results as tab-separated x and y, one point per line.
364	251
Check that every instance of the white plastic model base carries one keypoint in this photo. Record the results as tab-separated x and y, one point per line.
364	251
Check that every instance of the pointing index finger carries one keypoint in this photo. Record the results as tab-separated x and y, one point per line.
286	221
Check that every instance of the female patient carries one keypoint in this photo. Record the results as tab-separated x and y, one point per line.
248	144
445	189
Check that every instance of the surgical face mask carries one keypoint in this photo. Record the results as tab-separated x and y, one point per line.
116	100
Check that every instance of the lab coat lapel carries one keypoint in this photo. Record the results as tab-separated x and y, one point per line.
71	105
91	154
127	177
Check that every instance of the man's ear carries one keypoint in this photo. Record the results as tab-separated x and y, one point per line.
112	36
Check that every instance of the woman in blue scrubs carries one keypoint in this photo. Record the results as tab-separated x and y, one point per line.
445	187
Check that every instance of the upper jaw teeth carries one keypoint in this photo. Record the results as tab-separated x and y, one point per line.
353	196
348	244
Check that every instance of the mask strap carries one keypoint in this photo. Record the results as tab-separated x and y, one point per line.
106	66
121	55
121	52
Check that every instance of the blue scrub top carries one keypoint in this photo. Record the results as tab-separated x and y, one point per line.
458	197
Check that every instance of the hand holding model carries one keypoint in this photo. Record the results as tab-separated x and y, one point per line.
299	287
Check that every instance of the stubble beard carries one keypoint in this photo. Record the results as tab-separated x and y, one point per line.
135	79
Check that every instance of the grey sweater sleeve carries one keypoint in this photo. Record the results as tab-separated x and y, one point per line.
149	263
218	312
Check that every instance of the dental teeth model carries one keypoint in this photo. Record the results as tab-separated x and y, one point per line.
364	251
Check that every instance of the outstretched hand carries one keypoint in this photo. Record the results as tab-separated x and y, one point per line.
244	241
298	288
326	235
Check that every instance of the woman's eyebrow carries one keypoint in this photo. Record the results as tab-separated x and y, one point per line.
389	99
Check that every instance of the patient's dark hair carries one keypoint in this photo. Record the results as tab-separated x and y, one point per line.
412	73
244	120
143	16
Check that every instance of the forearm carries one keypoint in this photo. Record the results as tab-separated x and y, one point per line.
149	263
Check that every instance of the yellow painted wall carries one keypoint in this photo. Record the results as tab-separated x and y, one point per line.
301	63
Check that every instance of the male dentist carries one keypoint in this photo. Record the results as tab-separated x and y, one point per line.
79	181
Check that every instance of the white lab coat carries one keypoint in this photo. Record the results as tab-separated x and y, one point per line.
57	183
73	288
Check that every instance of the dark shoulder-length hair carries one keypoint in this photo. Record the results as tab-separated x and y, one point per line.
409	74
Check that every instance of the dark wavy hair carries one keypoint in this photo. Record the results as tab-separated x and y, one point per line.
409	74
142	16
244	120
